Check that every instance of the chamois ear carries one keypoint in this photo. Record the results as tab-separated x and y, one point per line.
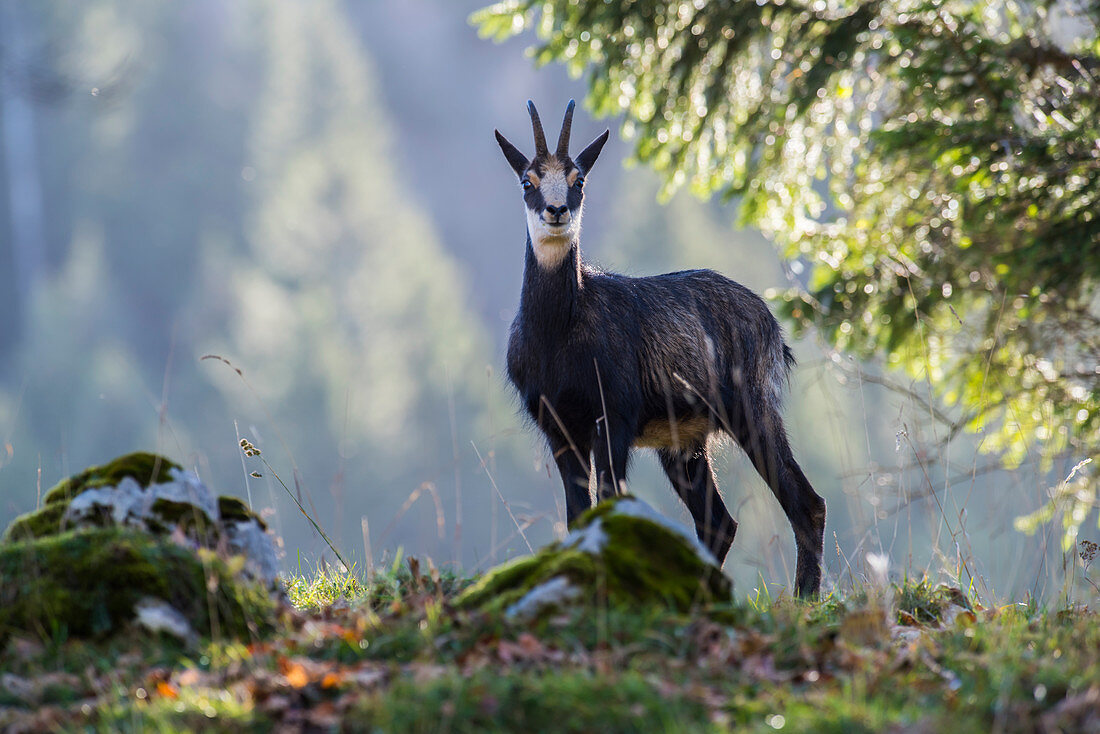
587	157
518	161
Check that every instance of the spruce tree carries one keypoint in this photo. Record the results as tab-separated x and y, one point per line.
935	164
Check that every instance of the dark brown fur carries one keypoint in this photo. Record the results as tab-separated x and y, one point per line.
604	362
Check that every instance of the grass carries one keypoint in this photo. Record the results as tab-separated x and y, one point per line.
394	655
324	588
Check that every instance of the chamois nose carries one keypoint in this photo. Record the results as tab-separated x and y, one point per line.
556	212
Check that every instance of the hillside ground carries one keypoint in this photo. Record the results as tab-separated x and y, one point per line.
395	656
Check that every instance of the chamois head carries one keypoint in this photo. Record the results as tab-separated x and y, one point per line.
553	187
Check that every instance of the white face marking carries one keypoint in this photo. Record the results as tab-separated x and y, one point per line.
552	241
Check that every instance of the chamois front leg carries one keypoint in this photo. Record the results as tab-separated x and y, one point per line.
572	458
612	450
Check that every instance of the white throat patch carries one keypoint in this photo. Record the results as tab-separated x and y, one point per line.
550	242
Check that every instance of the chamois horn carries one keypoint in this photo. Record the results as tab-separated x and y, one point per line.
566	125
536	124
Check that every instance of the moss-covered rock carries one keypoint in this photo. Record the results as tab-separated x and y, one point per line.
621	552
140	538
234	509
91	581
142	467
152	493
37	524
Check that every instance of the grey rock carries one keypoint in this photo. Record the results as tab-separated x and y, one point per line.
248	539
589	539
130	504
554	592
187	488
123	503
158	615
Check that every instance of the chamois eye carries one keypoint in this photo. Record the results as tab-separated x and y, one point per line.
579	183
527	185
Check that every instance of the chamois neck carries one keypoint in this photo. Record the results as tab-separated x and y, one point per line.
549	298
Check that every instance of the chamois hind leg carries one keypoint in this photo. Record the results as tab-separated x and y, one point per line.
764	439
693	479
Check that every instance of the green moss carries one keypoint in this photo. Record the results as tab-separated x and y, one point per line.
169	514
142	467
146	469
506	584
175	512
592	514
37	524
86	582
645	559
641	562
233	508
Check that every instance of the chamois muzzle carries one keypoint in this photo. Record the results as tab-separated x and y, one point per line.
556	215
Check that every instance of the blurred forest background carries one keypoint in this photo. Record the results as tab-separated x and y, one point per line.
311	191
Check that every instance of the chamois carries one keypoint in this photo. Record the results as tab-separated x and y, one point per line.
606	362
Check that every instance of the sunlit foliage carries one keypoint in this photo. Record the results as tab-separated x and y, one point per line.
935	164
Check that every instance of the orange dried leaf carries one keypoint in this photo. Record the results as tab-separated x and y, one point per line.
908	619
297	677
294	672
167	690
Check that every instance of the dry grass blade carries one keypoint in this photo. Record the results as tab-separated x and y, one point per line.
501	496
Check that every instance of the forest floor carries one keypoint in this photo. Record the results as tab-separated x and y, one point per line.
396	657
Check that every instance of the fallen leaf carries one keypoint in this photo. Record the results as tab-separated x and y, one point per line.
294	672
258	648
167	690
957	615
908	619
